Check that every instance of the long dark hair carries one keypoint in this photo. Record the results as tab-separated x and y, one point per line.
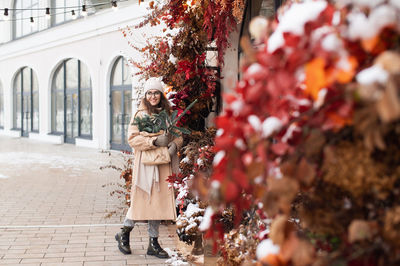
162	105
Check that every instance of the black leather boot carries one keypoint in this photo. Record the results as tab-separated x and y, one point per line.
155	249
123	240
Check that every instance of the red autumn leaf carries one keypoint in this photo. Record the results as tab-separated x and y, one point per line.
231	191
241	178
280	148
225	142
253	93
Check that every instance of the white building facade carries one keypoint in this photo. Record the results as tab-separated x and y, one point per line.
65	80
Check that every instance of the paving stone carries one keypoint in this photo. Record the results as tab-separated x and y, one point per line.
41	260
50	196
105	263
83	259
9	261
63	264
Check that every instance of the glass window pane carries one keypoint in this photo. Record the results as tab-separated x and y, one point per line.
17	111
26	80
59	111
35	111
57	101
59	18
35	86
59	79
35	15
72	73
74	121
60	14
85	77
17	83
86	112
25	4
117	73
26	100
68	14
53	110
128	107
22	23
18	25
69	115
17	101
116	119
127	76
35	101
26	24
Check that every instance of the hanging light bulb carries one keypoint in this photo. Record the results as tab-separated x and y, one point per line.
32	22
47	12
6	17
84	12
114	5
73	14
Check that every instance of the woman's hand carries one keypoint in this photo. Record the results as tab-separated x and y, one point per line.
172	148
161	141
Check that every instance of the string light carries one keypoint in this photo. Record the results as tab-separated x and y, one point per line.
47	12
6	14
84	12
73	14
114	5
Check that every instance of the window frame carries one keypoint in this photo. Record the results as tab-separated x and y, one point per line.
124	86
20	75
62	70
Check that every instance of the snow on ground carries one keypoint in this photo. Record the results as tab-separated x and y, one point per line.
56	161
175	258
3	176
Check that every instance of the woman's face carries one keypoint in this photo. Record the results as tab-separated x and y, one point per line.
153	97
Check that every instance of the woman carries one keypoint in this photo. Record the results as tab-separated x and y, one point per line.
151	198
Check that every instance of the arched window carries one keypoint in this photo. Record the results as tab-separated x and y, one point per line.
22	23
26	102
1	106
121	104
72	101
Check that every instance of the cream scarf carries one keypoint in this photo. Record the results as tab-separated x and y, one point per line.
146	175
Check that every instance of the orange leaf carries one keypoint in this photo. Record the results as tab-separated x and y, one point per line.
345	76
369	44
339	121
315	77
272	260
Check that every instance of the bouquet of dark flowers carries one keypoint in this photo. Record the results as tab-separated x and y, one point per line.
163	121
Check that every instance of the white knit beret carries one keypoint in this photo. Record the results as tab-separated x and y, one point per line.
153	84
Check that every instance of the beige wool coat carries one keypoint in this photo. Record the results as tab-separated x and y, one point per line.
161	205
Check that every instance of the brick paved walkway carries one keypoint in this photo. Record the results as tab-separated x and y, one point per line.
53	207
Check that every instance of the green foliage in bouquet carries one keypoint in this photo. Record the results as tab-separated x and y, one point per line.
162	121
